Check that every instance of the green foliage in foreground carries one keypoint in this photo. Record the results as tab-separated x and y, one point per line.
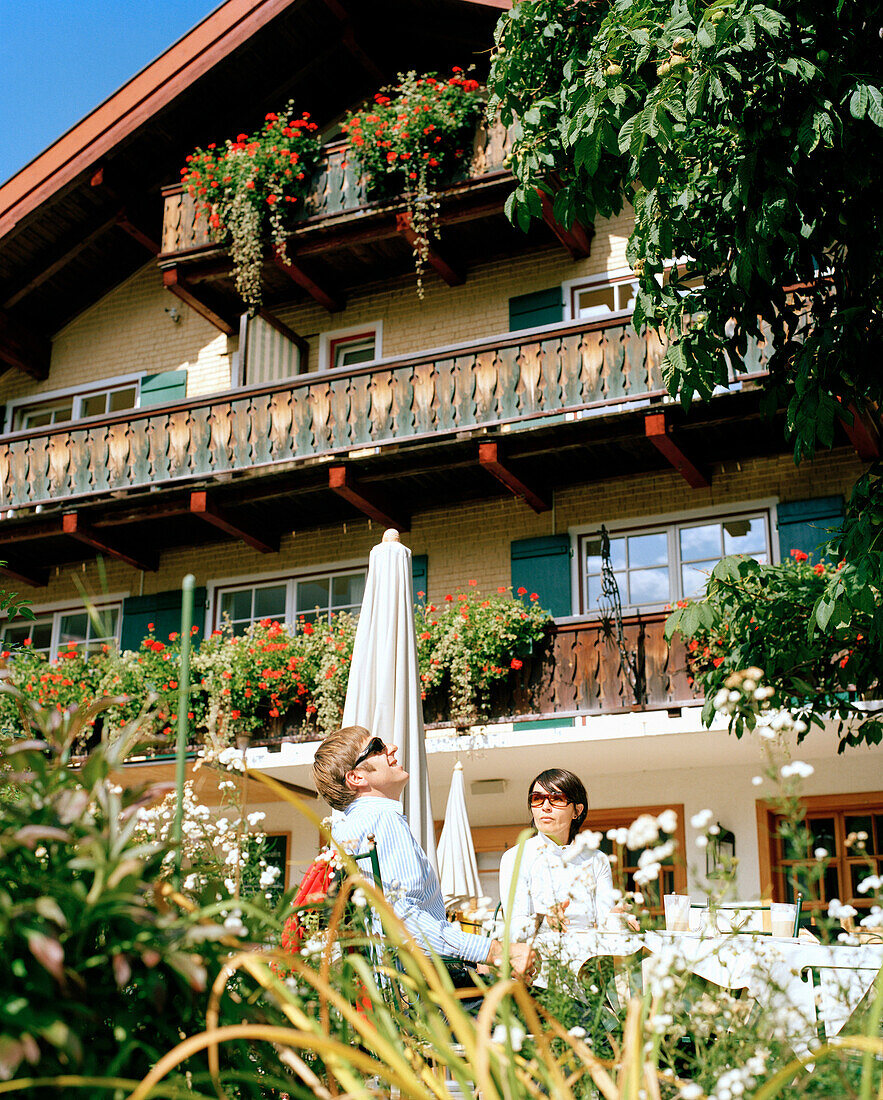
776	617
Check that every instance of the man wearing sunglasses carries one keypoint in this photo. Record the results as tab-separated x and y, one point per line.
361	776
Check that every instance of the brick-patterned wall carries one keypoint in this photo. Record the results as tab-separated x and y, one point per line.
129	332
472	540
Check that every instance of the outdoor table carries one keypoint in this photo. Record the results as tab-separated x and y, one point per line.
776	972
574	948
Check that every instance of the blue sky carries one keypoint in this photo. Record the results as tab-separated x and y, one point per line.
60	58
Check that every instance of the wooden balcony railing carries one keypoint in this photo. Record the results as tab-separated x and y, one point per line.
516	378
575	672
338	187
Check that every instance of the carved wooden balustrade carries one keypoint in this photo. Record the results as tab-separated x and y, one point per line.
513	378
338	187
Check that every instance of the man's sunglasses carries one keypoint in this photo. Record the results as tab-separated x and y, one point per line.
556	801
374	746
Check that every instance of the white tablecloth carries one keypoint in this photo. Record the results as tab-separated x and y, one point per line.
776	972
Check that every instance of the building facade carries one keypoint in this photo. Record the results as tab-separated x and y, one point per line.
499	422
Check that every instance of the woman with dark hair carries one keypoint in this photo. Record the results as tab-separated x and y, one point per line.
562	882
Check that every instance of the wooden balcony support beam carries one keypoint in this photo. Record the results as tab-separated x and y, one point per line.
863	433
125	223
23	349
369	503
451	275
206	509
491	460
35	578
577	240
334	303
350	44
656	430
72	525
199	300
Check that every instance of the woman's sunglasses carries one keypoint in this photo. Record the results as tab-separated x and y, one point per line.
556	801
374	746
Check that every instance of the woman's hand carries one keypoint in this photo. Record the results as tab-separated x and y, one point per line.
555	917
630	920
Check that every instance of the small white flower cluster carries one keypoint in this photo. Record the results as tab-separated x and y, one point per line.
796	768
479	913
650	862
642	832
735	1082
515	1035
872	882
838	911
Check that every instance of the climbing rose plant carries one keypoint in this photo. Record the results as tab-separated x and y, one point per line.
247	186
412	138
754	613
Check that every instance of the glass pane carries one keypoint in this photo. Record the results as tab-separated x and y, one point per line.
269	602
593	554
597	302
15	635
41	636
347	592
830	884
701	542
312	594
593	587
94	405
858	872
823	834
878	828
123	399
744	536
648	550
36	420
236	605
73	628
358	351
648	586
103	624
694	578
861	823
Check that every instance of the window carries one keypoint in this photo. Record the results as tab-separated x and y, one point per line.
59	410
595	301
656	566
315	598
350	350
840	824
348	347
54	633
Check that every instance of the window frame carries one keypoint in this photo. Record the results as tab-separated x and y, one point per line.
57	611
671	524
329	342
616	277
838	806
214	589
77	394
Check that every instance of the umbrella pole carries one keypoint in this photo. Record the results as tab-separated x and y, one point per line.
183	709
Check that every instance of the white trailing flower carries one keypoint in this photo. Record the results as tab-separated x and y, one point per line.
756	780
798	768
702	820
690	1091
577	1032
618	836
874	919
872	882
838	911
821	853
642	832
667	821
515	1035
256	818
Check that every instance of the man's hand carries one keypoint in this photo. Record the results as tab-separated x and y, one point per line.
556	918
522	958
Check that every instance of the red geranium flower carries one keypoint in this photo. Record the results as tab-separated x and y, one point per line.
516	663
522	591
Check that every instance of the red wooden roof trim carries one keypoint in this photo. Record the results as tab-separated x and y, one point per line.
141	97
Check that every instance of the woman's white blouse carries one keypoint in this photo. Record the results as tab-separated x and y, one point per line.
550	874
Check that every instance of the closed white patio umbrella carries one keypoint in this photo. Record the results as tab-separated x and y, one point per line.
383	692
457	866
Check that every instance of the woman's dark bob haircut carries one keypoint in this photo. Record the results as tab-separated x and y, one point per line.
559	781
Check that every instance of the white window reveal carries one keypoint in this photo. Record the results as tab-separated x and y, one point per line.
313	598
349	347
595	301
57	632
656	566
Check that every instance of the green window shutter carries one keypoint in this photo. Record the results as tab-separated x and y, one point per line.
420	574
164	388
541	307
163	610
804	524
543	566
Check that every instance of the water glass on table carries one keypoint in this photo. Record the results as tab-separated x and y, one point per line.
782	918
677	912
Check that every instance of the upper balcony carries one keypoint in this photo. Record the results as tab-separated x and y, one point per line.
525	412
342	238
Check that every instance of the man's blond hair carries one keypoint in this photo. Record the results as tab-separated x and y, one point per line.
334	758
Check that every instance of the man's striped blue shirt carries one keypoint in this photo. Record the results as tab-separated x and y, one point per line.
409	879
